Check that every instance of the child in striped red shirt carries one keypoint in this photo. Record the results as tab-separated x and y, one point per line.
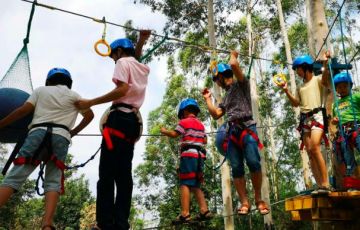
193	154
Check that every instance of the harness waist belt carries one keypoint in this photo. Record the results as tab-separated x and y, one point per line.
122	105
52	125
312	112
242	120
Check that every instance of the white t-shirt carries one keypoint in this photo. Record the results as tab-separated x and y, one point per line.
135	74
55	104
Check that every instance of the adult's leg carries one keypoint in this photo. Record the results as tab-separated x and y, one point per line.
123	153
314	168
236	158
316	136
105	190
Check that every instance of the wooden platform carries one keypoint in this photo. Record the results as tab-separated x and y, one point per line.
337	206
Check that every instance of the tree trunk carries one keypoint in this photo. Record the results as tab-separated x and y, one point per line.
317	26
303	154
265	191
225	170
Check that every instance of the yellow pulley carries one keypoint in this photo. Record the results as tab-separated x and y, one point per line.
102	41
213	67
279	79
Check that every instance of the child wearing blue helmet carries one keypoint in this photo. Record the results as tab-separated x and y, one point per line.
51	129
243	142
192	156
121	130
349	110
310	97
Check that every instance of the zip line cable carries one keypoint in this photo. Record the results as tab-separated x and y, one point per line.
162	135
356	53
186	43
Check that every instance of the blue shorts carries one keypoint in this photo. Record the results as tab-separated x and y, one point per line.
190	172
249	152
19	173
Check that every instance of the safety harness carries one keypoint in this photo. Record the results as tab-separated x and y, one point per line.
302	125
237	136
200	155
42	155
350	133
109	132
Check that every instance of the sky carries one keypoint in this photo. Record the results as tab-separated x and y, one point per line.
63	40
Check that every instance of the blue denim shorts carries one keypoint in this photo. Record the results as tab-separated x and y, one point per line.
19	173
249	153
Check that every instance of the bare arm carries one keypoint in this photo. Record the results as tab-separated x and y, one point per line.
293	101
144	36
169	133
17	114
88	115
235	66
325	80
214	111
116	93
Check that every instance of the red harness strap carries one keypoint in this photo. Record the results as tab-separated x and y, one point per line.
316	124
244	132
108	132
58	163
192	175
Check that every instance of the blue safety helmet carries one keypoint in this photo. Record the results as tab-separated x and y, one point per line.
343	77
301	60
122	43
58	71
220	68
186	103
220	139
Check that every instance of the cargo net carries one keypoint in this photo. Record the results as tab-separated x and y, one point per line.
18	76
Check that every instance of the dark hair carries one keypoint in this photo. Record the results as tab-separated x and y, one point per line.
127	51
192	109
227	74
59	79
307	67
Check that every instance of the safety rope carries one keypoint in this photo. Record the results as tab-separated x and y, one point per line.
332	25
85	163
26	40
347	70
251	212
154	48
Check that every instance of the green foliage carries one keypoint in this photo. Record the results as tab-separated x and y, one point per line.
77	194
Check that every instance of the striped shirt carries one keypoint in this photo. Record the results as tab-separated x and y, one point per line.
192	132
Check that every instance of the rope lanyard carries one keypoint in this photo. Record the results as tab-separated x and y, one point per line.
250	66
156	46
347	70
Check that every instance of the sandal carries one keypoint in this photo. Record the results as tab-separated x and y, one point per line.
48	226
182	219
207	215
262	207
244	209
